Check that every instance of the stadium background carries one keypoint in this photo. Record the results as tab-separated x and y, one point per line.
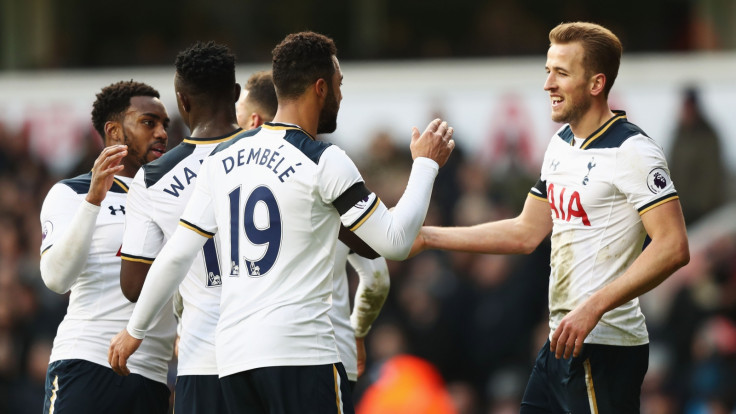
478	320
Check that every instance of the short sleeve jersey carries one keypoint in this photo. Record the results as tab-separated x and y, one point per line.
597	193
97	309
156	200
276	197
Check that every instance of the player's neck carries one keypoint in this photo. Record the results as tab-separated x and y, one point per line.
596	116
213	125
129	169
299	113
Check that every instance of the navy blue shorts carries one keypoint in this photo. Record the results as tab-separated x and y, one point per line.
78	386
312	389
195	394
603	379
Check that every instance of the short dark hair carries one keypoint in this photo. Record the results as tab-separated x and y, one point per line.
114	100
207	67
300	60
601	48
261	91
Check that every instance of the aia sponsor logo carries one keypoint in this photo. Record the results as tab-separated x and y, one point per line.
566	204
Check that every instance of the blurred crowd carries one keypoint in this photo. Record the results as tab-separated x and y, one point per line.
467	325
73	36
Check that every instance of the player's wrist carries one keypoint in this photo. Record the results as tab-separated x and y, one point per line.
91	207
96	201
135	333
424	161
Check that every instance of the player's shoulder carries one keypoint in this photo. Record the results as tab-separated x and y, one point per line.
189	147
306	143
81	183
223	146
614	133
155	170
295	136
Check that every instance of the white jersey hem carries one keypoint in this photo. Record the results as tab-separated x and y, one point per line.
276	362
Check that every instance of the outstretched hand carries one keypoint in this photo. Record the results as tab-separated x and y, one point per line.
435	142
106	166
122	346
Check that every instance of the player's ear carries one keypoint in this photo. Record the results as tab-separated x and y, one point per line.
113	133
236	92
184	102
597	84
321	88
255	120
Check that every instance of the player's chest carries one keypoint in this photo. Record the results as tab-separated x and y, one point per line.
108	233
580	185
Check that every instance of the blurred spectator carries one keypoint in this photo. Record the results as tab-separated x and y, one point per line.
696	165
407	385
712	385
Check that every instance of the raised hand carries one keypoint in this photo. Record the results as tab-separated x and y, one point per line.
106	166
435	142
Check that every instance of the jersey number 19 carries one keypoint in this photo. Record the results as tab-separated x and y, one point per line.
268	233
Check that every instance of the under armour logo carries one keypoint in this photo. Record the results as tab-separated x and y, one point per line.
114	210
591	164
554	164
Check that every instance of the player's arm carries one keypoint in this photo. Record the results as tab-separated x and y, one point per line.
373	287
143	238
519	235
392	233
132	276
62	262
356	244
164	277
667	252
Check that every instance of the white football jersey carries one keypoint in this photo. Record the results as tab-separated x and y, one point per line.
340	313
273	195
97	309
157	198
597	193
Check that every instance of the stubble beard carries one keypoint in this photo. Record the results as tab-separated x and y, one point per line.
140	159
574	113
328	116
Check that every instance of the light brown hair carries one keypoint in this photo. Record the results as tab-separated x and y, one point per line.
261	92
602	49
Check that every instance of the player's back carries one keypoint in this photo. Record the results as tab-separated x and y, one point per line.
158	196
272	191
